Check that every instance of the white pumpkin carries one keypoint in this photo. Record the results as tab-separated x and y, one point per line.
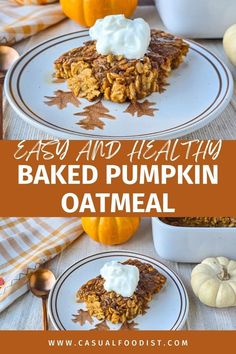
214	282
229	43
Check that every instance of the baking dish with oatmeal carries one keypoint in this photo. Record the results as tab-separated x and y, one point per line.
192	239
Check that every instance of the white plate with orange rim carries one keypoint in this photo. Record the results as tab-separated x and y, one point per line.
168	309
199	90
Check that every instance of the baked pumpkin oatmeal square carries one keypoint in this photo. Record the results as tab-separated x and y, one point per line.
108	305
115	78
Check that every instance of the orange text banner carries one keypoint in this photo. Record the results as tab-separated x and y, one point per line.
152	178
190	342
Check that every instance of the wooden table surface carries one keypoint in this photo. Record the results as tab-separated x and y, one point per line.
224	127
25	313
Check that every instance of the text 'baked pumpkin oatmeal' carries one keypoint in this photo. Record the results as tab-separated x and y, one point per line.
92	75
111	306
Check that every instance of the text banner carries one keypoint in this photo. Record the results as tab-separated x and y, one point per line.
151	178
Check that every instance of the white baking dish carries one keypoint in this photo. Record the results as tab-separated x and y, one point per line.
192	244
197	18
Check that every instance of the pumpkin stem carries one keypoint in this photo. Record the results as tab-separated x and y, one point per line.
223	275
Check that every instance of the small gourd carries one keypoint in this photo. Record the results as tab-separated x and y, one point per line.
229	43
214	282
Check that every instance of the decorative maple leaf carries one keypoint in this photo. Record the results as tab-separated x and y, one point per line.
62	99
130	326
102	326
141	108
82	317
93	115
2	282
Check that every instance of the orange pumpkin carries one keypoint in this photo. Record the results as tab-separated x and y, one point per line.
110	230
86	12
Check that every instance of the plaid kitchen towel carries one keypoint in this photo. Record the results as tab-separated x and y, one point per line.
20	19
34	2
25	244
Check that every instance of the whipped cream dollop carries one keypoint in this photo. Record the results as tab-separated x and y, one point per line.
121	278
118	35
